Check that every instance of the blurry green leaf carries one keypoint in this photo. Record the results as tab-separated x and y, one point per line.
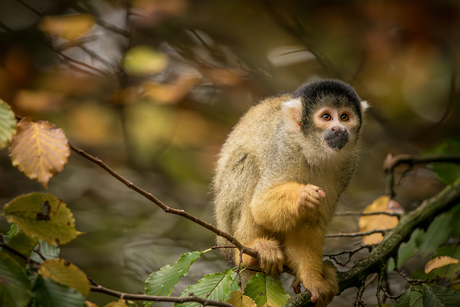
437	296
450	271
67	274
404	300
23	244
14	230
162	282
266	291
14	283
49	293
7	124
39	150
409	249
144	60
43	216
448	173
217	286
390	264
437	233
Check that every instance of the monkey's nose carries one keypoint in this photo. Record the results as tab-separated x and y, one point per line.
336	137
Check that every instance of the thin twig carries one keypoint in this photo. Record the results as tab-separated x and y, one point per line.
350	253
144	297
349	213
249	251
356	234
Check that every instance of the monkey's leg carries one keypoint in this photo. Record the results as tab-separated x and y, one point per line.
303	249
281	207
271	259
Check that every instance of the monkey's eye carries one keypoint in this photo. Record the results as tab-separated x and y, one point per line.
344	117
326	117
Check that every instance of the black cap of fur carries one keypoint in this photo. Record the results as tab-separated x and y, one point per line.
341	93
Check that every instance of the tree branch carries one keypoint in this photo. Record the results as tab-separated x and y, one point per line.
249	251
144	297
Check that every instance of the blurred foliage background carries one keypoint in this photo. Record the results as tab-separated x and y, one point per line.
153	87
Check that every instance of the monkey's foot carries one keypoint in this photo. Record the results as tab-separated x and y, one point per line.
310	197
271	258
322	292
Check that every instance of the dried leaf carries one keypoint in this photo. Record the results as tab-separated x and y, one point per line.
7	124
68	27
237	299
67	274
381	221
39	150
439	262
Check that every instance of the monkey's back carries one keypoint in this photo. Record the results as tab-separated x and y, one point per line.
238	167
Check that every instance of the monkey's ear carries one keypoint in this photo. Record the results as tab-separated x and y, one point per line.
292	112
364	105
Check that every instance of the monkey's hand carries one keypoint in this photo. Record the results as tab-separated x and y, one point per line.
310	198
271	258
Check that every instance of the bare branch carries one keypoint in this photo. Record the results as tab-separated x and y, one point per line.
349	213
356	234
144	297
249	251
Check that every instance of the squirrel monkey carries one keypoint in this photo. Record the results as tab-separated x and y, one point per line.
280	175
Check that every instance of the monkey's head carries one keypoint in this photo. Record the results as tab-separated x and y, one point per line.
327	114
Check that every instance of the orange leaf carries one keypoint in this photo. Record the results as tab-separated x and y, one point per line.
68	27
380	221
439	262
39	150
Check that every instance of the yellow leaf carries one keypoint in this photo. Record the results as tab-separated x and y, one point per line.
7	124
67	274
39	150
237	299
439	262
144	60
120	303
90	304
380	221
44	216
68	27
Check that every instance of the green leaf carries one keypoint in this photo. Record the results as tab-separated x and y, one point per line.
7	124
390	264
44	216
217	286
447	172
14	230
437	233
14	283
49	293
23	244
404	300
266	291
409	249
437	296
48	251
162	282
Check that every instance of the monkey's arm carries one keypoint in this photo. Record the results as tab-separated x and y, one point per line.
280	208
